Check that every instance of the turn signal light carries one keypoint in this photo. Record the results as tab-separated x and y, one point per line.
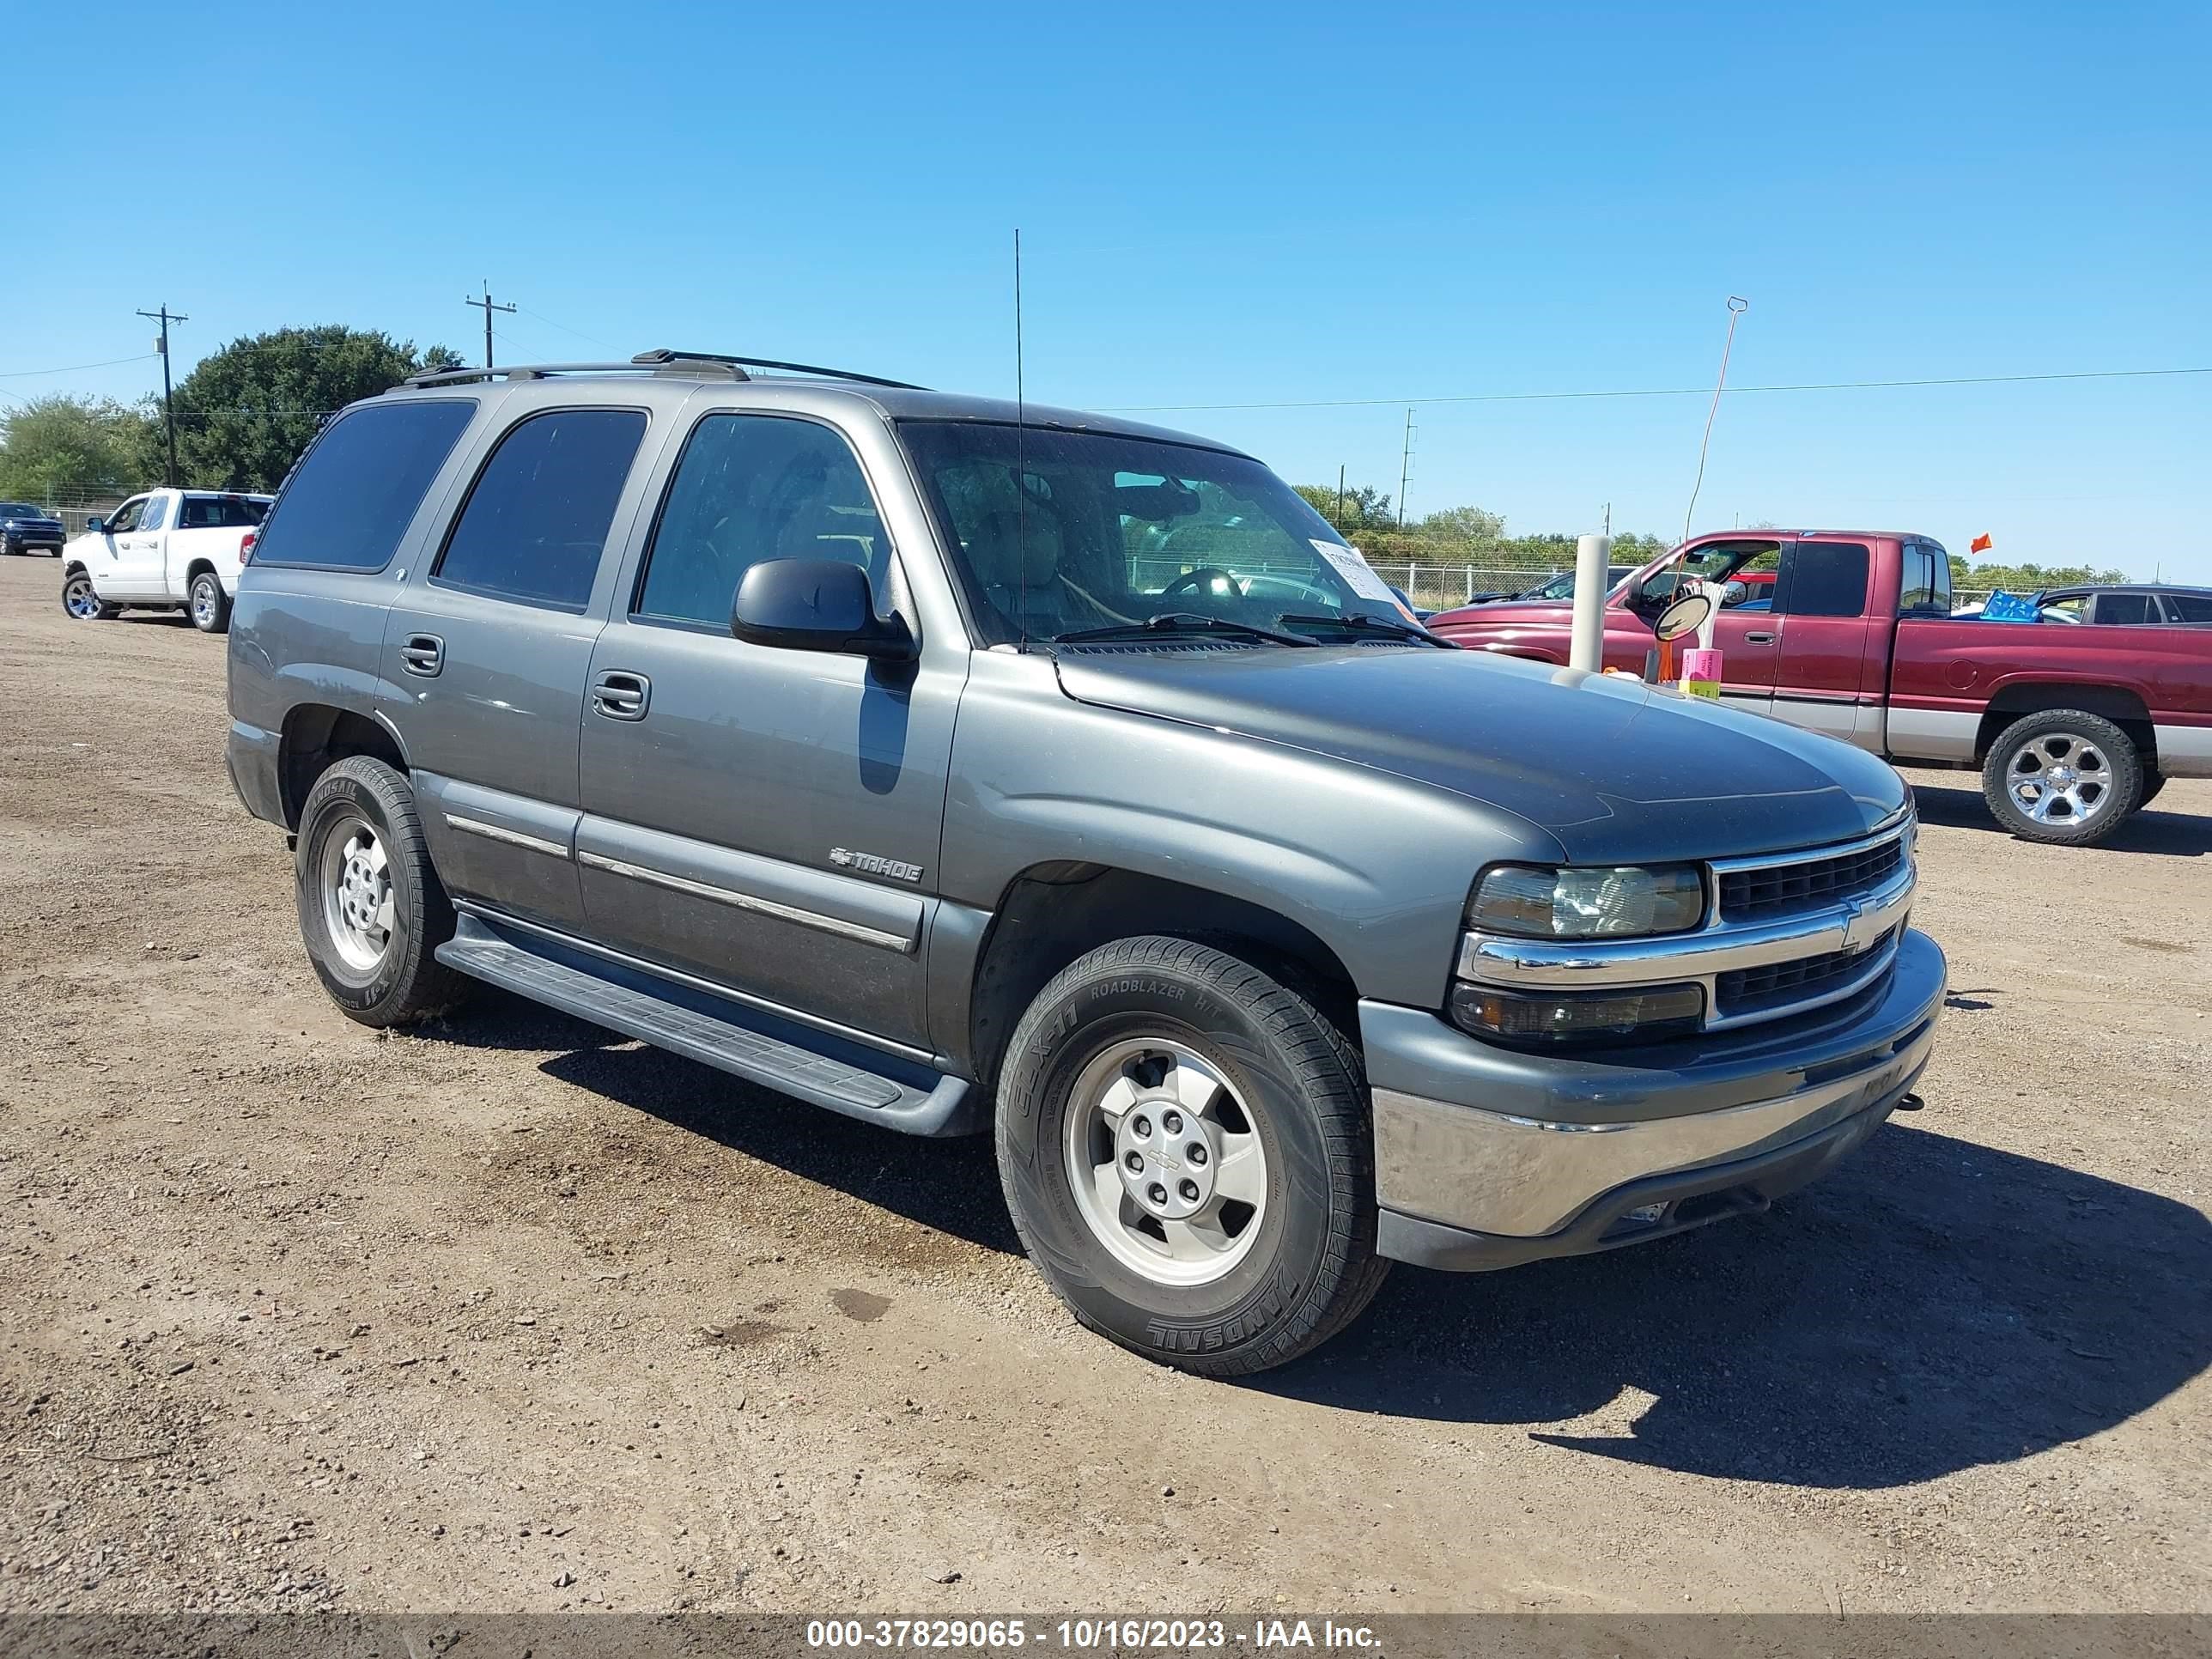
1576	1016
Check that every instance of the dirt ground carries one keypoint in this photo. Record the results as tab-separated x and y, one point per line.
513	1315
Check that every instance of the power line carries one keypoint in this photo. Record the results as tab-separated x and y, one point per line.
1658	391
72	368
565	329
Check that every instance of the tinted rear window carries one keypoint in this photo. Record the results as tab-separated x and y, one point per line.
2189	607
356	490
537	520
1823	579
2125	610
220	512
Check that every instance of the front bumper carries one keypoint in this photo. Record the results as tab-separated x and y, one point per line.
1487	1156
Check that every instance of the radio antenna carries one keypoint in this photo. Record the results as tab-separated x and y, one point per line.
1737	306
1021	470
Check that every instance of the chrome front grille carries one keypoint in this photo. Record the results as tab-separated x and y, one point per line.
1785	986
1786	933
1781	890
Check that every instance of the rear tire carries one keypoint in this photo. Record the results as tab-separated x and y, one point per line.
208	605
1243	1254
372	909
2064	777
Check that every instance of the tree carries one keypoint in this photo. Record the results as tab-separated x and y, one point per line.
1364	506
61	442
1465	524
245	414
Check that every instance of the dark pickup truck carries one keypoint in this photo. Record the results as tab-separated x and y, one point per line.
959	767
1850	632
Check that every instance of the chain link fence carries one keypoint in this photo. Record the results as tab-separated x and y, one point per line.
74	507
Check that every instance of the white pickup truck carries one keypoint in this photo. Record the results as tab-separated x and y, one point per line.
172	550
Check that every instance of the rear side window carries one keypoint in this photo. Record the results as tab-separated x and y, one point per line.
2189	607
220	512
1823	579
1926	581
2125	609
749	488
355	492
536	523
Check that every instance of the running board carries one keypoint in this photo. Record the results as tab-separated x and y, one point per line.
776	1053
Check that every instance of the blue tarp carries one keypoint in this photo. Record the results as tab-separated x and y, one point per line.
2009	607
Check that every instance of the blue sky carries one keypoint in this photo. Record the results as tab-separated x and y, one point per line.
1220	205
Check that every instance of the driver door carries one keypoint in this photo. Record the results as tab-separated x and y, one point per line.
109	567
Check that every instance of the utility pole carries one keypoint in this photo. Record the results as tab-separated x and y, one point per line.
488	308
1609	518
1340	500
164	317
1405	469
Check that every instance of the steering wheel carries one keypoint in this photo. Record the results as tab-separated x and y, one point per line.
1193	579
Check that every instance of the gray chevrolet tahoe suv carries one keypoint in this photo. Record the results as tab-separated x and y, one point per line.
957	767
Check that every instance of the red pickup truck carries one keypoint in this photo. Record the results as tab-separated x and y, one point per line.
2073	727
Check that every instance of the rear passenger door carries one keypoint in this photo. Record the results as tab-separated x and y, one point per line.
766	819
485	655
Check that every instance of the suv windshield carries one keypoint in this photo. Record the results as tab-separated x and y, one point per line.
1061	531
21	510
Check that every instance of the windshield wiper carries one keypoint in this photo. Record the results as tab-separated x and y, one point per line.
1180	621
1361	619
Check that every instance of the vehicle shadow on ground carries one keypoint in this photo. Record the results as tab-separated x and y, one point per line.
1931	1306
950	1185
2175	834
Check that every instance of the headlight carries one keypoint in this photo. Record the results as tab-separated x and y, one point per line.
1535	902
1565	1016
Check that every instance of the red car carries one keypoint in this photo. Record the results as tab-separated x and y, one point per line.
1850	632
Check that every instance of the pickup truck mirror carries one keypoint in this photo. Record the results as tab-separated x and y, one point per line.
94	527
817	605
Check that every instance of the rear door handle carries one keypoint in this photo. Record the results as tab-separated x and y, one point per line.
620	696
1759	639
423	654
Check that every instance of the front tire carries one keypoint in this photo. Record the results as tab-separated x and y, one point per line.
2064	777
1187	1153
207	604
80	603
372	909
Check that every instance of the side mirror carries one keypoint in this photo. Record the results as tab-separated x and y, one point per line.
94	527
817	605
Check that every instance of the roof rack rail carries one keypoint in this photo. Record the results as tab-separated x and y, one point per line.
662	356
659	361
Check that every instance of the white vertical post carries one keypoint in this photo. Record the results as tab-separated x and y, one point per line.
1586	644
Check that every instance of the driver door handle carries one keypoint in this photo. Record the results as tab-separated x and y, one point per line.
1759	639
621	696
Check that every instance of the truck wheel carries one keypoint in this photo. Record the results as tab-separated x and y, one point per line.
371	910
2063	776
81	604
1186	1150
208	606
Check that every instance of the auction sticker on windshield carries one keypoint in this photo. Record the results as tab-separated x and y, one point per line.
1355	570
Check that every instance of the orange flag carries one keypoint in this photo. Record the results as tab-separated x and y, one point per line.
1981	544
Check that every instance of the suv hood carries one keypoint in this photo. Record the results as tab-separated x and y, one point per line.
1612	768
